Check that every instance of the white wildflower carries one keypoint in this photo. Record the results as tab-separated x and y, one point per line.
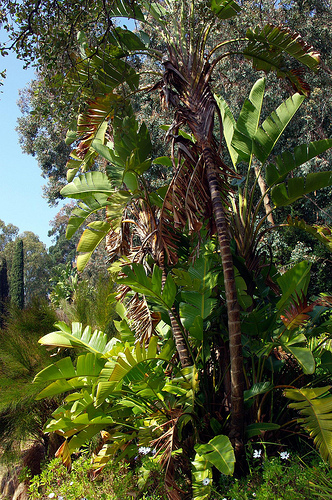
257	453
284	455
144	450
206	481
51	495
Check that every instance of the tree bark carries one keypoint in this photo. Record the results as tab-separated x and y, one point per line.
266	199
233	309
180	341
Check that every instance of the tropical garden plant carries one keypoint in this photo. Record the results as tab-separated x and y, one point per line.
210	333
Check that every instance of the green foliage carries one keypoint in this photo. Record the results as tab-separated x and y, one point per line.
92	304
17	277
225	9
19	339
8	233
116	385
21	417
279	478
75	336
63	283
264	138
315	405
218	453
116	481
4	289
37	265
139	282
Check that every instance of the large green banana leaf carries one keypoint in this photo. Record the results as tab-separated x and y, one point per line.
76	164
271	129
285	163
219	452
248	138
196	303
297	187
294	343
132	366
315	406
97	192
229	125
248	122
95	232
67	377
225	9
91	204
201	477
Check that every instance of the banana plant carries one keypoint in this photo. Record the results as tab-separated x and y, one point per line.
251	144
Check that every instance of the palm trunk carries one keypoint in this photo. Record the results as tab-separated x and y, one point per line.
180	341
233	309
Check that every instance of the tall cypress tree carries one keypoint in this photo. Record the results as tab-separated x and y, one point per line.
17	277
4	288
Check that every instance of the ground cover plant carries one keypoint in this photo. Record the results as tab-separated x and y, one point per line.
279	476
214	347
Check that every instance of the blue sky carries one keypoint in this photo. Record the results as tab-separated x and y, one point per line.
21	194
21	201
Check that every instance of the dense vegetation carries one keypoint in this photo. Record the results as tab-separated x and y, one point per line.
207	349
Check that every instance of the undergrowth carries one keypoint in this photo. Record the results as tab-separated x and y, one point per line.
281	477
